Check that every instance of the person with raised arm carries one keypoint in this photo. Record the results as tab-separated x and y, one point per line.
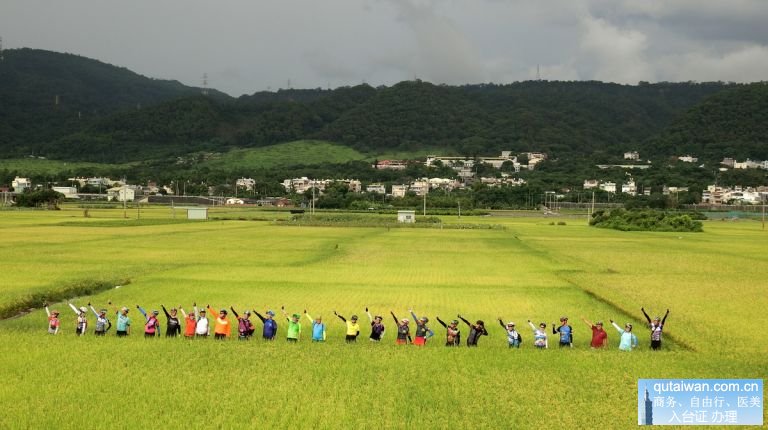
422	331
514	339
53	320
475	331
270	325
202	326
221	327
102	322
566	332
189	323
377	327
656	326
152	325
599	336
539	335
353	328
628	339
318	327
452	332
173	325
294	326
245	327
82	319
403	330
123	322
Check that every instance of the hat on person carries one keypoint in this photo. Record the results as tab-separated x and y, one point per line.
223	311
296	316
354	317
425	319
404	320
511	323
125	309
455	322
599	323
55	312
202	311
379	317
83	309
563	318
270	313
155	312
247	312
103	311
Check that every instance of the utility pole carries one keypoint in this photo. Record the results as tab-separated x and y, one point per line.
459	209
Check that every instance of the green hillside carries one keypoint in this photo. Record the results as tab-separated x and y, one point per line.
732	123
285	154
49	94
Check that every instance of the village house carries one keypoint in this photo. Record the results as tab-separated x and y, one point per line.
246	183
632	155
591	183
69	192
391	164
687	159
21	185
376	188
399	190
609	187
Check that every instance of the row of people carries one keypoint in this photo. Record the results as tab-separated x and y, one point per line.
197	324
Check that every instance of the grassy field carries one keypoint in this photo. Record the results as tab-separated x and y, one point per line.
713	282
35	167
285	154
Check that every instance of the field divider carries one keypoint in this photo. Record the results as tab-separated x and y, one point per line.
70	290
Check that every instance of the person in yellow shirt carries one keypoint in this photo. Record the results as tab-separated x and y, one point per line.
221	329
353	328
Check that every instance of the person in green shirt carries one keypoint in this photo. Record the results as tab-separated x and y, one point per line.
294	326
123	322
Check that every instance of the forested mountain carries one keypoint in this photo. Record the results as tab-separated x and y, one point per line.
109	114
45	95
732	123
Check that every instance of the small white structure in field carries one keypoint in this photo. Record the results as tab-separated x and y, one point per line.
197	212
406	216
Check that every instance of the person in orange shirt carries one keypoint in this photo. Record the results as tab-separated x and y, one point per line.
221	329
190	323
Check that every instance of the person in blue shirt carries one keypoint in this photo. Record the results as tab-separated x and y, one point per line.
318	327
270	325
566	332
628	339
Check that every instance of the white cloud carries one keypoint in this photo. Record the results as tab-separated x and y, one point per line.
612	54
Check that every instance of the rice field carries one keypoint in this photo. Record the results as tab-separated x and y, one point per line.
714	283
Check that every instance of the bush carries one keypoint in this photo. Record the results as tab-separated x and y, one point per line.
645	220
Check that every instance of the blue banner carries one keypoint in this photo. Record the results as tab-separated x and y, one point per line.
700	402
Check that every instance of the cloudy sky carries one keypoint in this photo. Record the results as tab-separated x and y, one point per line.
252	45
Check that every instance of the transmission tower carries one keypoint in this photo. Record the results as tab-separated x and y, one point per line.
205	84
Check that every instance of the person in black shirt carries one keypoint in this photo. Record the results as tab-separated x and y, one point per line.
475	331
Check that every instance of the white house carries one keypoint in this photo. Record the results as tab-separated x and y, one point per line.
121	194
608	186
376	188
399	190
632	155
246	183
629	188
687	159
420	187
591	183
20	184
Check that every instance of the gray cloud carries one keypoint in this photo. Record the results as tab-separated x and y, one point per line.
251	45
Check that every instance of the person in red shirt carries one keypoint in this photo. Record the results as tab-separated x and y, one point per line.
190	323
599	336
53	320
